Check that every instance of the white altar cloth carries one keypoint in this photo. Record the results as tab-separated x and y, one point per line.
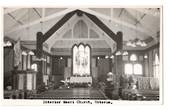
80	79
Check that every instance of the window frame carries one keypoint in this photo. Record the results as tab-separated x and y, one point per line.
156	65
133	64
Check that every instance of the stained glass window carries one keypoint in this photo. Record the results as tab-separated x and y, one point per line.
81	60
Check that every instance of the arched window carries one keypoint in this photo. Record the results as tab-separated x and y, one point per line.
133	57
87	56
75	50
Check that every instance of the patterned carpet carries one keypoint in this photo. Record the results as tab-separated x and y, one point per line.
74	93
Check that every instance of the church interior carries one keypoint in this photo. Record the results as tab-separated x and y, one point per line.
82	53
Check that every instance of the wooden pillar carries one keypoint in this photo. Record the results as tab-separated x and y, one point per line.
110	65
39	44
39	49
119	41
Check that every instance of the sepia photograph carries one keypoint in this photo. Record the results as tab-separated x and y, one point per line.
98	54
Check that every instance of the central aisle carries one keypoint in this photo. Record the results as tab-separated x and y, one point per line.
74	93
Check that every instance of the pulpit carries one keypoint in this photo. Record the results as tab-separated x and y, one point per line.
24	80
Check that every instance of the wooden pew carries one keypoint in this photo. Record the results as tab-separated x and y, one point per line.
130	94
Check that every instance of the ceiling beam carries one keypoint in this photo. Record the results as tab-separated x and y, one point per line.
147	11
120	22
56	36
43	13
100	24
131	15
57	14
58	25
101	34
51	41
118	38
10	10
121	12
65	28
18	21
111	13
135	16
80	39
37	12
140	19
43	37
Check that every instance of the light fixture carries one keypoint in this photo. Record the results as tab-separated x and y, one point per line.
24	53
145	56
40	59
125	53
106	56
133	57
61	58
121	52
118	53
7	44
112	56
43	59
31	53
34	67
136	42
152	11
98	58
110	74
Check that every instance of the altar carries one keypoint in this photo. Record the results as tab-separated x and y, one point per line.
85	79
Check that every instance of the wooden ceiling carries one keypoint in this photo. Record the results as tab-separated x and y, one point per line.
142	23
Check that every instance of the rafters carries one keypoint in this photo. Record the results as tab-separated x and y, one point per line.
154	13
121	12
55	15
57	36
80	39
117	21
10	10
37	12
58	14
43	37
18	21
108	40
138	20
43	13
73	21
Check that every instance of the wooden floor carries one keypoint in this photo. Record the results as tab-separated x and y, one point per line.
74	93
